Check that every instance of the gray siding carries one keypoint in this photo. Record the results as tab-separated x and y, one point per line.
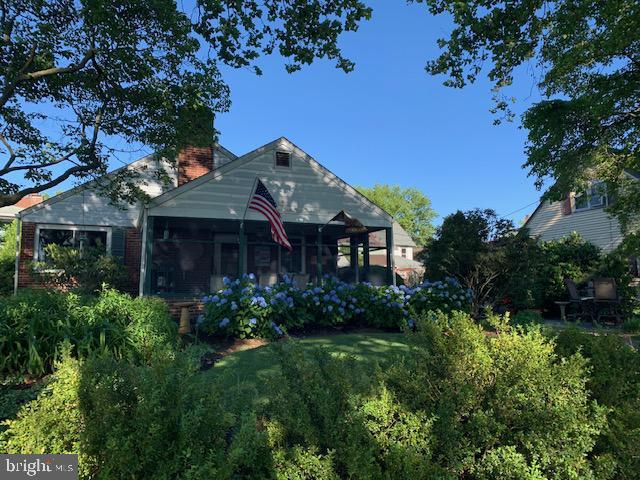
305	192
595	225
85	206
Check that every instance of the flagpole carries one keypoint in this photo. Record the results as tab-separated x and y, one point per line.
242	238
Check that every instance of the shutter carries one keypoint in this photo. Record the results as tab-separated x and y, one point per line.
118	243
566	205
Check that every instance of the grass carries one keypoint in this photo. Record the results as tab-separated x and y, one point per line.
243	375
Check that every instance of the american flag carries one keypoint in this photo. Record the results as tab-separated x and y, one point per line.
261	201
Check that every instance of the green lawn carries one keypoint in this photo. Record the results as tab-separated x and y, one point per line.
243	375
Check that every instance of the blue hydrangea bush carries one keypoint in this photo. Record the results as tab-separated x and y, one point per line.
244	309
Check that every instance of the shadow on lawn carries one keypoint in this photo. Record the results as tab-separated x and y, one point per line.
244	375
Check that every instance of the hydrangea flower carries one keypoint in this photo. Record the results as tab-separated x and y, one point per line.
224	322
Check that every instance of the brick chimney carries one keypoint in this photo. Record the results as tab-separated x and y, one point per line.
193	162
196	157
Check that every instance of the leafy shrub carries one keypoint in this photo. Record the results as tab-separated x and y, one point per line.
503	405
317	425
632	325
527	318
614	383
85	270
243	309
35	323
52	423
8	234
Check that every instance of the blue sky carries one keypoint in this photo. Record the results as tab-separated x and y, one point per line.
389	121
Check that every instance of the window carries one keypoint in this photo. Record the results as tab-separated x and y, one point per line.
283	159
67	236
403	252
594	197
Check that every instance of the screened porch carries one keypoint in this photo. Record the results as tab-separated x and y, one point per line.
187	257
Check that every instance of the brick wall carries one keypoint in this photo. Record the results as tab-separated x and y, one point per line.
194	162
132	255
27	239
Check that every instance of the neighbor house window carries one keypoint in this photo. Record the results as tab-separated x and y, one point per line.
70	236
594	197
403	252
283	159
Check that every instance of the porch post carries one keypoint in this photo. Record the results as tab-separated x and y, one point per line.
319	259
148	264
391	274
353	257
241	249
366	261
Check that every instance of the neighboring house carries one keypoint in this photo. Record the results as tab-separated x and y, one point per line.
584	214
10	212
196	229
404	251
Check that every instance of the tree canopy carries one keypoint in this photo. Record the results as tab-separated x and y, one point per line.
75	74
584	56
409	206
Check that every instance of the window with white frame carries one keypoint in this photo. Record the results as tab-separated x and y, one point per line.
70	236
594	197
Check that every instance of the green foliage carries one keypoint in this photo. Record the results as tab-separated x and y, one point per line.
586	53
467	248
244	310
51	423
409	206
34	325
614	383
8	238
506	397
526	318
86	270
145	71
632	325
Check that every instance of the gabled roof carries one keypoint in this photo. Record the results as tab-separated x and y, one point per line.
136	164
248	157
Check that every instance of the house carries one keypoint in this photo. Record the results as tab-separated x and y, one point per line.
10	212
405	250
196	228
585	214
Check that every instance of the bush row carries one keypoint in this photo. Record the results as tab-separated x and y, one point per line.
36	323
244	309
460	404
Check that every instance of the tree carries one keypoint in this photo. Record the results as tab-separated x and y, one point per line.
409	206
585	58
8	239
467	247
74	75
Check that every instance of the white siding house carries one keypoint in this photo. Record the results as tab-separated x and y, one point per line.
196	227
584	214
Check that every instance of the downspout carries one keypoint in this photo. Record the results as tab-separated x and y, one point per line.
17	263
143	255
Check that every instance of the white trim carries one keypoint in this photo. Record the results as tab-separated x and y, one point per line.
143	253
74	228
16	270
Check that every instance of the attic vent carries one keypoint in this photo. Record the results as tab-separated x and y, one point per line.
283	159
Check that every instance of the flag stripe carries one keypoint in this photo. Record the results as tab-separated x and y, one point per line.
262	202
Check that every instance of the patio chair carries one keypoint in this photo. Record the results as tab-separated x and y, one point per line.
606	299
583	305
